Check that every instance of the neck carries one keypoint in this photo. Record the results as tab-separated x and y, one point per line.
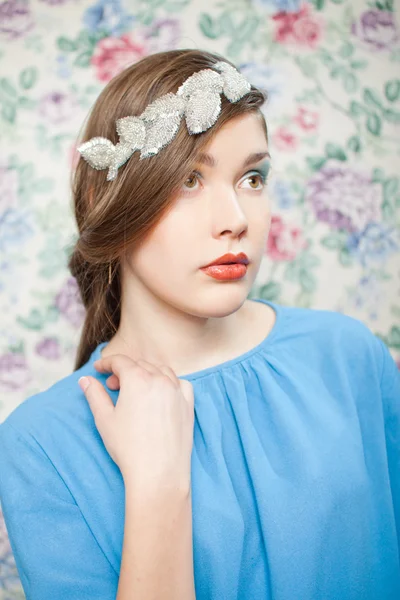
155	331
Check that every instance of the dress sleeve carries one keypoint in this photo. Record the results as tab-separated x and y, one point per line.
390	386
56	554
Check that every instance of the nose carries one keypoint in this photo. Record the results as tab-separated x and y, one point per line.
229	219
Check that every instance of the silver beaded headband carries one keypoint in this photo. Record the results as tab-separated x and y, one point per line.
198	99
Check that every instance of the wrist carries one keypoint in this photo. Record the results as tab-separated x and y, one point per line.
145	492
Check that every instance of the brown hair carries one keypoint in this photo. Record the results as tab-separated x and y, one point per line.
112	215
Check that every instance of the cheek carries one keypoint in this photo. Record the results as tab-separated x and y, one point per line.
261	223
167	251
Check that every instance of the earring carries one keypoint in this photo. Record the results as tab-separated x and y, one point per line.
109	273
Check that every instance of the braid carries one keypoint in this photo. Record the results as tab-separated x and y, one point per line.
101	301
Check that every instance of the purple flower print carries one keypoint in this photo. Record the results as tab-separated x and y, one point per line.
15	19
161	35
54	2
377	29
344	197
14	372
48	348
57	107
69	304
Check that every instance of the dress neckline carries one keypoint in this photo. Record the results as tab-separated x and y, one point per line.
228	363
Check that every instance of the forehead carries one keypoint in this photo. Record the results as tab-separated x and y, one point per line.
245	133
242	138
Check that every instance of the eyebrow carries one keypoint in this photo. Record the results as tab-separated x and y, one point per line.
210	161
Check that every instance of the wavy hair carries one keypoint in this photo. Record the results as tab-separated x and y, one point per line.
112	216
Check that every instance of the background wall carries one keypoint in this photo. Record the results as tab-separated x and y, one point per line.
332	70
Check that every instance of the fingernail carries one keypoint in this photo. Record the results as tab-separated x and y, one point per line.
84	383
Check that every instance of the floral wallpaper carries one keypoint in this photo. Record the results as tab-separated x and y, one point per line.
332	72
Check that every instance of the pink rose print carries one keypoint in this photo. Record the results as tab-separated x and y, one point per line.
284	140
306	119
302	28
284	241
112	55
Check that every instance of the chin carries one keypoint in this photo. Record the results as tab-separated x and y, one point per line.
223	301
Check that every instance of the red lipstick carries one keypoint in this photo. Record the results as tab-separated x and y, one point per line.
228	267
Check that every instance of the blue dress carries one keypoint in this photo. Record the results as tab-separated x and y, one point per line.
295	474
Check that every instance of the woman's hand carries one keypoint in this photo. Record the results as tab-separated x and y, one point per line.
149	432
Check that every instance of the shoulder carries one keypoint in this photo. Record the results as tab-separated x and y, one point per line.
327	335
55	415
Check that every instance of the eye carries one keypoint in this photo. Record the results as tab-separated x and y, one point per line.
257	177
192	178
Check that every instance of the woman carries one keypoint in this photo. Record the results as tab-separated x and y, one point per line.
223	448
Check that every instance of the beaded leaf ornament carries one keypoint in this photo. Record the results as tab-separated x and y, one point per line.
198	99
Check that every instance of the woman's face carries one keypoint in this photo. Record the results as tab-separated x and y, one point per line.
220	209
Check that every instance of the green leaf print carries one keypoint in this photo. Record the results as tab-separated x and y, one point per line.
209	27
354	143
374	124
66	45
307	281
345	257
332	242
392	90
83	60
346	50
34	321
8	112
356	109
270	291
316	162
394	337
350	83
371	98
7	87
390	188
335	151
387	211
28	78
391	116
378	175
358	64
27	103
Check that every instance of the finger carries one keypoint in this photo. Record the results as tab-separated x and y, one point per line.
151	368
99	401
170	372
113	382
117	363
187	391
157	369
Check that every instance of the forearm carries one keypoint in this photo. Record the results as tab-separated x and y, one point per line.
157	555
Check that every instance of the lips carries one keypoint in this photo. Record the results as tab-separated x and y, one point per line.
230	259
